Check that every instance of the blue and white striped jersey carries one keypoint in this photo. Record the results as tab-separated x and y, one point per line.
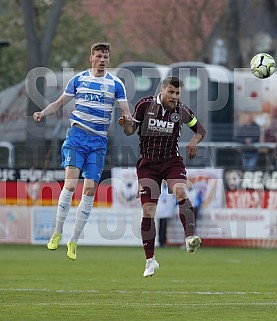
94	100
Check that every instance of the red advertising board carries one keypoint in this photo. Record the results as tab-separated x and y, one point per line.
37	187
250	189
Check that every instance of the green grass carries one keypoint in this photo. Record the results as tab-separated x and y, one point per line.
106	283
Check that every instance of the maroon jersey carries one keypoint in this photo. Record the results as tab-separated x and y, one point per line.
159	129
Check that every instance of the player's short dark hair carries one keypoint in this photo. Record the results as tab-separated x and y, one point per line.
172	80
104	46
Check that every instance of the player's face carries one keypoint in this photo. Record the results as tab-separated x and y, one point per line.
99	60
170	96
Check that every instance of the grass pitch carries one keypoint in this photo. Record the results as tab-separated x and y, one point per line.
106	283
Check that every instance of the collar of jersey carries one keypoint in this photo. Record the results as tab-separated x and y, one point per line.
92	75
160	103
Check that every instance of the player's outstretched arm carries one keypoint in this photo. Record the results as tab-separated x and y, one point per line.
52	107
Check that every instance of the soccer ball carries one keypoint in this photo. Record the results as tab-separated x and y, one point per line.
262	65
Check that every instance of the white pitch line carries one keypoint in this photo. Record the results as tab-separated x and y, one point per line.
209	292
48	290
138	292
141	304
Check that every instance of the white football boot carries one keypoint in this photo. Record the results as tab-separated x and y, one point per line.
192	243
150	267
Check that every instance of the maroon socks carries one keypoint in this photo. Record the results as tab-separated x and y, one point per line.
148	235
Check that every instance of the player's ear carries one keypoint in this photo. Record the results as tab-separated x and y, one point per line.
90	58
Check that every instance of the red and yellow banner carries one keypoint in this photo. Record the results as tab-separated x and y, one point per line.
40	193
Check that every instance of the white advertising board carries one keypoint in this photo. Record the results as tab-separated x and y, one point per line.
106	226
238	224
15	222
125	188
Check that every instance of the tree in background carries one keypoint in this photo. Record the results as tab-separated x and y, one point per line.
185	27
69	48
12	66
233	34
181	30
160	31
40	33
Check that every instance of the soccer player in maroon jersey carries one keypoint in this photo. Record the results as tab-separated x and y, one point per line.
159	121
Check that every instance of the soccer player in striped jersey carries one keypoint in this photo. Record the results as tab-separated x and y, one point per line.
84	149
159	121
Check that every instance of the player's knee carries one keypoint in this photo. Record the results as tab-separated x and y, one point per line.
180	195
70	187
179	190
89	191
149	210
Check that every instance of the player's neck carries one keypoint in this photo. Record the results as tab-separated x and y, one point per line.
98	73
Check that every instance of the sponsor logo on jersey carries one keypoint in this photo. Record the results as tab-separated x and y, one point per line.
93	97
175	117
160	125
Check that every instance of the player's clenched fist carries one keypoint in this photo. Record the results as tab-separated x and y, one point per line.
38	115
125	120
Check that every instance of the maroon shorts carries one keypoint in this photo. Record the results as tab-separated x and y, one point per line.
152	172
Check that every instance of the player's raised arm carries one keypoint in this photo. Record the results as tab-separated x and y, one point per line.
52	107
